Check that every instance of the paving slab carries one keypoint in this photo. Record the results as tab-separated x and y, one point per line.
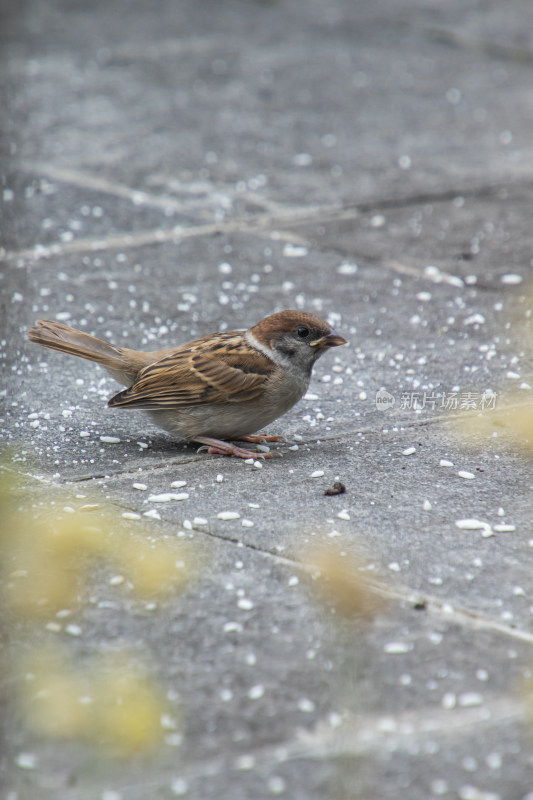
266	84
411	685
429	667
478	237
36	211
166	174
434	346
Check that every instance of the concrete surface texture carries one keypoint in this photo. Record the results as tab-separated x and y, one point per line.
174	168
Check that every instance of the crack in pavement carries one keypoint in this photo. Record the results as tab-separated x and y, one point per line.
366	735
143	197
401	426
439	607
122	241
262	224
383	733
512	52
281	211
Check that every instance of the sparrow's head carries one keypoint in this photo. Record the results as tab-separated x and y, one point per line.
296	338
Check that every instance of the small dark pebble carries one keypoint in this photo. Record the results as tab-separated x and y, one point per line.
337	488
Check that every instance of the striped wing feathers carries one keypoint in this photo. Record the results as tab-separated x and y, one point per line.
217	369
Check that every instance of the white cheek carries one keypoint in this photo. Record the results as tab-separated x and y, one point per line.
263	348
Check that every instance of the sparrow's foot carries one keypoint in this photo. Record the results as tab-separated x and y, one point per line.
260	438
219	447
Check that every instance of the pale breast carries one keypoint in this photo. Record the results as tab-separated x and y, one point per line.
232	420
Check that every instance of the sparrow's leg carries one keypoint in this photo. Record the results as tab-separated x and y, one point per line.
219	447
260	438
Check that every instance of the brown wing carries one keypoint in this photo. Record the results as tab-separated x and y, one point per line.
202	372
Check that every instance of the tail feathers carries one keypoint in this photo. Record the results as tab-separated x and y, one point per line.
57	336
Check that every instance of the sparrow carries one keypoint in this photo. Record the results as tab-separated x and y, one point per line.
221	388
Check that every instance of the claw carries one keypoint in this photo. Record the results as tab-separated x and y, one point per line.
219	447
261	438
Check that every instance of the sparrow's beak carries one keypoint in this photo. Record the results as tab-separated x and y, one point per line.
332	339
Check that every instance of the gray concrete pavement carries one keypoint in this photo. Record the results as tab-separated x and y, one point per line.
175	168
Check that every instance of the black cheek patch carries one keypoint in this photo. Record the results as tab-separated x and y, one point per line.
286	350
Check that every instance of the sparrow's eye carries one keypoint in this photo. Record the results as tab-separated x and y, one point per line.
302	331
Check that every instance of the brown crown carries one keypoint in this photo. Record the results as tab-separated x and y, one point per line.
287	321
